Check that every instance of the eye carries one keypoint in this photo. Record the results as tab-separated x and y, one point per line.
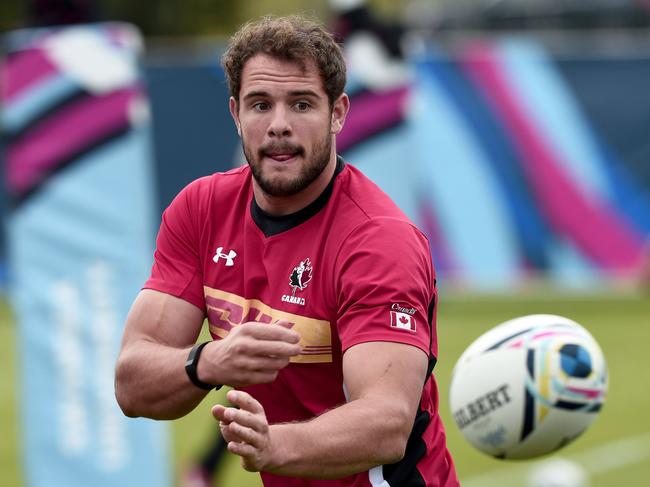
302	106
261	106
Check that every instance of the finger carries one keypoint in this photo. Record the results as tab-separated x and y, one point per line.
250	377
256	422
284	323
248	353
274	363
245	401
230	415
235	430
260	377
218	412
227	433
275	348
264	331
246	435
242	449
268	364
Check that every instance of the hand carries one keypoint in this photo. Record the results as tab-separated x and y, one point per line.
246	430
252	353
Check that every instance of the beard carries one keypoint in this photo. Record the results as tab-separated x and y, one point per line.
285	186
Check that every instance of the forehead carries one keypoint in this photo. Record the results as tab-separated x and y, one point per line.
266	73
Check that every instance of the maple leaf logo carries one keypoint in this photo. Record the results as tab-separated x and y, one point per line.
403	319
300	276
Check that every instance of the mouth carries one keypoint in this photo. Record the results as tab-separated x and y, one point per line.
284	153
282	157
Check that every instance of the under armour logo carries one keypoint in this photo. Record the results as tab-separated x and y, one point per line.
230	256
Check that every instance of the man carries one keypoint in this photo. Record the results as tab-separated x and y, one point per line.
319	292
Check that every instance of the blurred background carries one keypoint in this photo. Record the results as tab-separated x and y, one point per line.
513	132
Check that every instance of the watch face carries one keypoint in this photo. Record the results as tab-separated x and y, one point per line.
191	357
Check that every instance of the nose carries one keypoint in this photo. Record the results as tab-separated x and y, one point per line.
279	125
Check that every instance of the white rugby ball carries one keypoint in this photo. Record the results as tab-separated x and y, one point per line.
528	386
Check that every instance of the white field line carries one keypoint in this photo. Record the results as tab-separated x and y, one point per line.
600	459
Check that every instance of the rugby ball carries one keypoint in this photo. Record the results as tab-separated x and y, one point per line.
528	386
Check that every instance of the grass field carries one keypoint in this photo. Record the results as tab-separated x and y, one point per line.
615	450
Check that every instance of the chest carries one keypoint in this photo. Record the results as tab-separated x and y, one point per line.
289	276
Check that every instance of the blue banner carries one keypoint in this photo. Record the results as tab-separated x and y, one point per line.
80	240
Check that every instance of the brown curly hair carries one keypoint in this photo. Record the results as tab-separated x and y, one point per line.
294	38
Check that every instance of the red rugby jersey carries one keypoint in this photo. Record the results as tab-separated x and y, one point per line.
350	268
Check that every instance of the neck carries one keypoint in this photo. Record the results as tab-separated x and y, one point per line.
285	205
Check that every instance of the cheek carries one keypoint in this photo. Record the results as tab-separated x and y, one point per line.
251	131
251	122
323	128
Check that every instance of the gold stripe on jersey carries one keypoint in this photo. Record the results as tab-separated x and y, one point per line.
227	310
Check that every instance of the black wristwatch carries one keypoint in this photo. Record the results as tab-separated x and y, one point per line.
191	365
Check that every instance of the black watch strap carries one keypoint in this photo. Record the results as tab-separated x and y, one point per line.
191	365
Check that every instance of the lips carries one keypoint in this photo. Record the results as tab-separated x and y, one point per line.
282	157
281	152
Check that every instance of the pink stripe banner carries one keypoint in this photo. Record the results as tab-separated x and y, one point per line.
372	113
71	130
22	70
591	225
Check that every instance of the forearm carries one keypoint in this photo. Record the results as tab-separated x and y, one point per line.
349	439
150	381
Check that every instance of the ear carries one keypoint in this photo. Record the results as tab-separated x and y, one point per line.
339	112
234	112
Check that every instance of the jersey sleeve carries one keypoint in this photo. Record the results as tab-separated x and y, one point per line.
386	286
177	264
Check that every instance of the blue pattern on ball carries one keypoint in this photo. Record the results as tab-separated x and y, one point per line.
575	361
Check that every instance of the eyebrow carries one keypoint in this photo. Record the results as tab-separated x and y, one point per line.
304	93
261	93
253	94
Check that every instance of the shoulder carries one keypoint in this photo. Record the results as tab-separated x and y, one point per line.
371	213
199	201
203	192
365	198
374	235
232	179
396	239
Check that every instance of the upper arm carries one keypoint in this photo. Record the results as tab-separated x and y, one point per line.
386	316
162	318
390	374
177	268
386	287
